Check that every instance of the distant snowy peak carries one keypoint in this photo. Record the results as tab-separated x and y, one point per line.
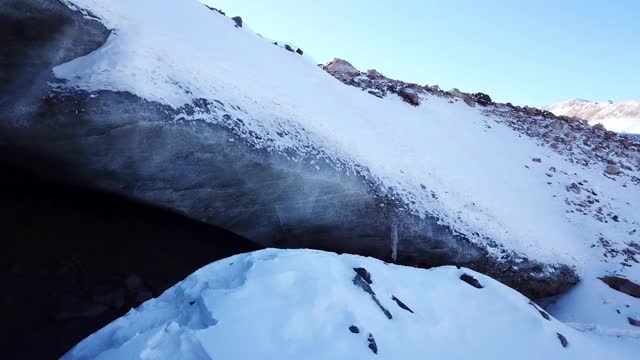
623	117
302	304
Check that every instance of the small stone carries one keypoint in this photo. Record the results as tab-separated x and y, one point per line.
537	160
542	312
471	281
372	344
354	329
574	188
563	340
401	304
366	276
612	170
634	322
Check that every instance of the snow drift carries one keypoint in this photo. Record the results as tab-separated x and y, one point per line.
302	304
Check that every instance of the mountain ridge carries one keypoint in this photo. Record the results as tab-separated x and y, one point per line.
622	117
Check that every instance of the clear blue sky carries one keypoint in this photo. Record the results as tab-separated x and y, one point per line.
528	52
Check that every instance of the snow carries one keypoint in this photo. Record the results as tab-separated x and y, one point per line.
621	117
441	158
299	304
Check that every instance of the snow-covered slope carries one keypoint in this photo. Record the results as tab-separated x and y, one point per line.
621	117
507	179
302	304
476	172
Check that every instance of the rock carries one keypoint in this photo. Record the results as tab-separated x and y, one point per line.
563	340
482	98
599	127
537	160
341	66
401	304
556	125
374	74
364	274
574	188
471	281
288	48
457	93
634	322
410	96
372	343
612	169
542	312
363	281
299	51
354	329
216	10
467	100
622	284
238	21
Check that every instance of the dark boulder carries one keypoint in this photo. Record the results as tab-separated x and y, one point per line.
410	96
622	284
482	98
238	21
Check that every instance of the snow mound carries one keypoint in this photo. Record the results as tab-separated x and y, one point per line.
303	304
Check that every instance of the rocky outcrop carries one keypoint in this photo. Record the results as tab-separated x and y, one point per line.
568	135
482	99
170	157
